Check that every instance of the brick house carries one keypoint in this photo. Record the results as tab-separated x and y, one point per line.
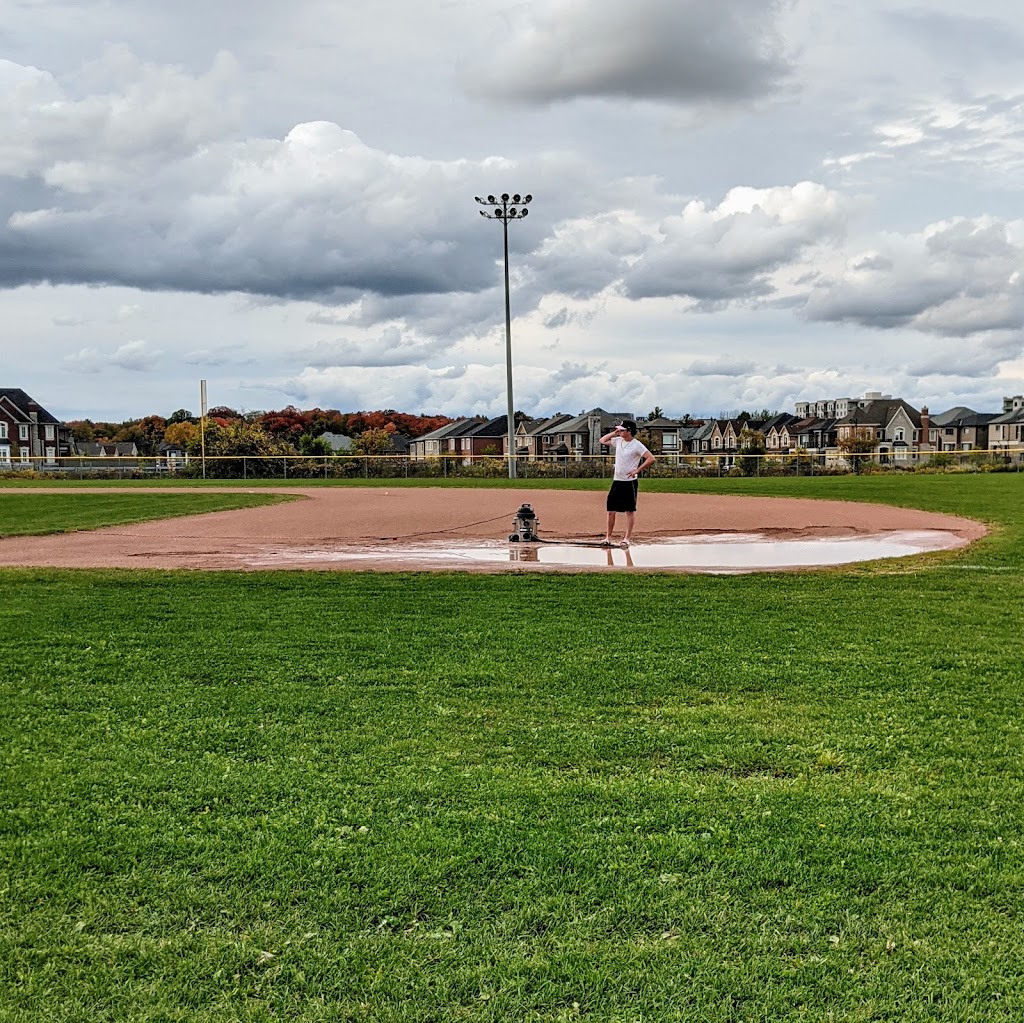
29	435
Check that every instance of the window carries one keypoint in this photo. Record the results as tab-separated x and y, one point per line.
879	434
5	454
23	432
901	456
24	456
49	433
51	454
898	435
670	440
948	431
3	431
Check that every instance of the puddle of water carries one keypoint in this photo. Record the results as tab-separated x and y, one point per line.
734	552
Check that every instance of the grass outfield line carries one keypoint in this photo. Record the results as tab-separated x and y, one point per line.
23	513
338	796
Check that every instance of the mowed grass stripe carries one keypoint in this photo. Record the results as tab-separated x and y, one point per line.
426	797
23	513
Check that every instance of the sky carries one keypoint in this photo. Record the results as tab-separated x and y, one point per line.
738	204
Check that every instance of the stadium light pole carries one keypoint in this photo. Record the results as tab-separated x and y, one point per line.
505	208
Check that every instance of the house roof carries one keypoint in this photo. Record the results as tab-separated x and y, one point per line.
338	441
454	427
24	404
543	425
90	448
581	423
661	423
1013	416
778	421
880	413
950	416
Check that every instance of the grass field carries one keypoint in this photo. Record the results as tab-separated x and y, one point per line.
24	513
335	796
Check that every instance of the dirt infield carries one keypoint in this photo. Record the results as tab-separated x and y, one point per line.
385	529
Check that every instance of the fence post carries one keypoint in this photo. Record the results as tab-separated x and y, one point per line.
285	457
245	468
366	467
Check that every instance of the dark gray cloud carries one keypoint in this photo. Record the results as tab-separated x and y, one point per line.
689	51
720	368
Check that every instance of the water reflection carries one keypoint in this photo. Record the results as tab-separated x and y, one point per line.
732	552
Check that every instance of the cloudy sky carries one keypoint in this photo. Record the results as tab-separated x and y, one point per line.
736	204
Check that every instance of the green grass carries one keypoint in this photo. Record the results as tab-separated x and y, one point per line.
521	797
24	513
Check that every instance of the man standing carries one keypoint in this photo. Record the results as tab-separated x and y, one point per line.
631	458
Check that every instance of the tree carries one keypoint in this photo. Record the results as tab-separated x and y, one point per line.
182	432
147	434
656	413
181	415
374	441
83	430
751	442
856	442
223	412
310	445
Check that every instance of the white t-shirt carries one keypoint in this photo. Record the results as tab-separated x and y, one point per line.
628	455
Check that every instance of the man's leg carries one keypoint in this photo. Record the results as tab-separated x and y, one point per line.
630	516
611	527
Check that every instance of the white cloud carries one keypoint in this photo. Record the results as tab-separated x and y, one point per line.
133	356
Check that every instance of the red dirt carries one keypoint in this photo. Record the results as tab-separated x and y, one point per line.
326	522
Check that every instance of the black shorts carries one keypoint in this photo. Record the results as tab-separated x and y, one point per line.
622	496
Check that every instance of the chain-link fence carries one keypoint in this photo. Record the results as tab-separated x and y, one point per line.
341	467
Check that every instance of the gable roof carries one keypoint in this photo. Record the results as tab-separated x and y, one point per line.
951	415
1013	416
543	425
881	413
454	427
581	423
24	404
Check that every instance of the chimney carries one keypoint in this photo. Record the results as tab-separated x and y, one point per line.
33	411
926	424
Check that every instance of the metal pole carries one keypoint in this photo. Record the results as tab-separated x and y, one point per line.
504	208
202	422
508	362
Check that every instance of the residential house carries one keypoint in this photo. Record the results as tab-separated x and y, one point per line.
727	434
28	433
700	441
813	435
833	408
900	433
442	441
777	436
1006	431
339	442
580	436
105	455
536	437
962	429
661	435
